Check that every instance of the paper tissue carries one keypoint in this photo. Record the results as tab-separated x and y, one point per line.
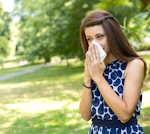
102	53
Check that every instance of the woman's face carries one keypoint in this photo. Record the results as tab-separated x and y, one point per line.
97	33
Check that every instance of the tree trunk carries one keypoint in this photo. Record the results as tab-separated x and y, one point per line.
47	58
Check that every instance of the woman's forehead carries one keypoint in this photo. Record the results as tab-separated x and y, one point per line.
94	30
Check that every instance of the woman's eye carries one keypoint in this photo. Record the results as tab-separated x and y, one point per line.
100	36
89	39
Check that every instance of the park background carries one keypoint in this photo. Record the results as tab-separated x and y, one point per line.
43	35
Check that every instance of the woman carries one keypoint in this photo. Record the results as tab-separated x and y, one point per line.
112	92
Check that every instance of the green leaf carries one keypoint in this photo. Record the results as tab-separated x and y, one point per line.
135	28
137	37
143	15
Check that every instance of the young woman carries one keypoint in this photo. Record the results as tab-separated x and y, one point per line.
112	92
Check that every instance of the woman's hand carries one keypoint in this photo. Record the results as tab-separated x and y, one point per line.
95	67
87	77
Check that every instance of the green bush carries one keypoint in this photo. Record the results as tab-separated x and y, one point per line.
144	47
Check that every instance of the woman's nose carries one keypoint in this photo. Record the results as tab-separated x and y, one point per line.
96	41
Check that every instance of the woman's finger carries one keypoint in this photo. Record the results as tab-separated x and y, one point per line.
90	54
93	52
88	58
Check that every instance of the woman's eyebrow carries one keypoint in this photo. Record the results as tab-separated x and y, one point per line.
98	34
95	34
88	36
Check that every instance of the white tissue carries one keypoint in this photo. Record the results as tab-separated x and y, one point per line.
102	53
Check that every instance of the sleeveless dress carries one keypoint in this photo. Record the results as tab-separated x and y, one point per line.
114	74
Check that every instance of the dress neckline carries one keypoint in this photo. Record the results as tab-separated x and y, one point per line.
113	62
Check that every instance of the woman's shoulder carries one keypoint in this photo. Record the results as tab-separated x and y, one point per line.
138	63
135	66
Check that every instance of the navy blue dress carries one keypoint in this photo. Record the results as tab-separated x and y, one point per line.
114	74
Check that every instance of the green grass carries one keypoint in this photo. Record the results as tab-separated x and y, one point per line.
47	101
43	102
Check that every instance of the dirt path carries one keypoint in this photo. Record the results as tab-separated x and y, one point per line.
143	52
27	71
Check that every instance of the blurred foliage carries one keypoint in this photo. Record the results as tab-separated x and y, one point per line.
133	16
5	19
121	9
51	27
144	47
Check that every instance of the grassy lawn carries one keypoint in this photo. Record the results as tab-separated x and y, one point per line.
47	101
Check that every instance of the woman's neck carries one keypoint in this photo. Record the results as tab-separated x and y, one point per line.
109	58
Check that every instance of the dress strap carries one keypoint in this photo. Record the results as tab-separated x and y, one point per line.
114	123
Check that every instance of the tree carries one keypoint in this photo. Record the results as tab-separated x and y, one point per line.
5	19
51	27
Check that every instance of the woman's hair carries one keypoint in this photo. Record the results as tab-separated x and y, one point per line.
118	43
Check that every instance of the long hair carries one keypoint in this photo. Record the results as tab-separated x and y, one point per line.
118	43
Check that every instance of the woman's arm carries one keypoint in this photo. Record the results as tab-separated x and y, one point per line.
86	103
86	100
134	76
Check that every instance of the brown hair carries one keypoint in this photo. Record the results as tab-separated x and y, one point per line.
118	43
